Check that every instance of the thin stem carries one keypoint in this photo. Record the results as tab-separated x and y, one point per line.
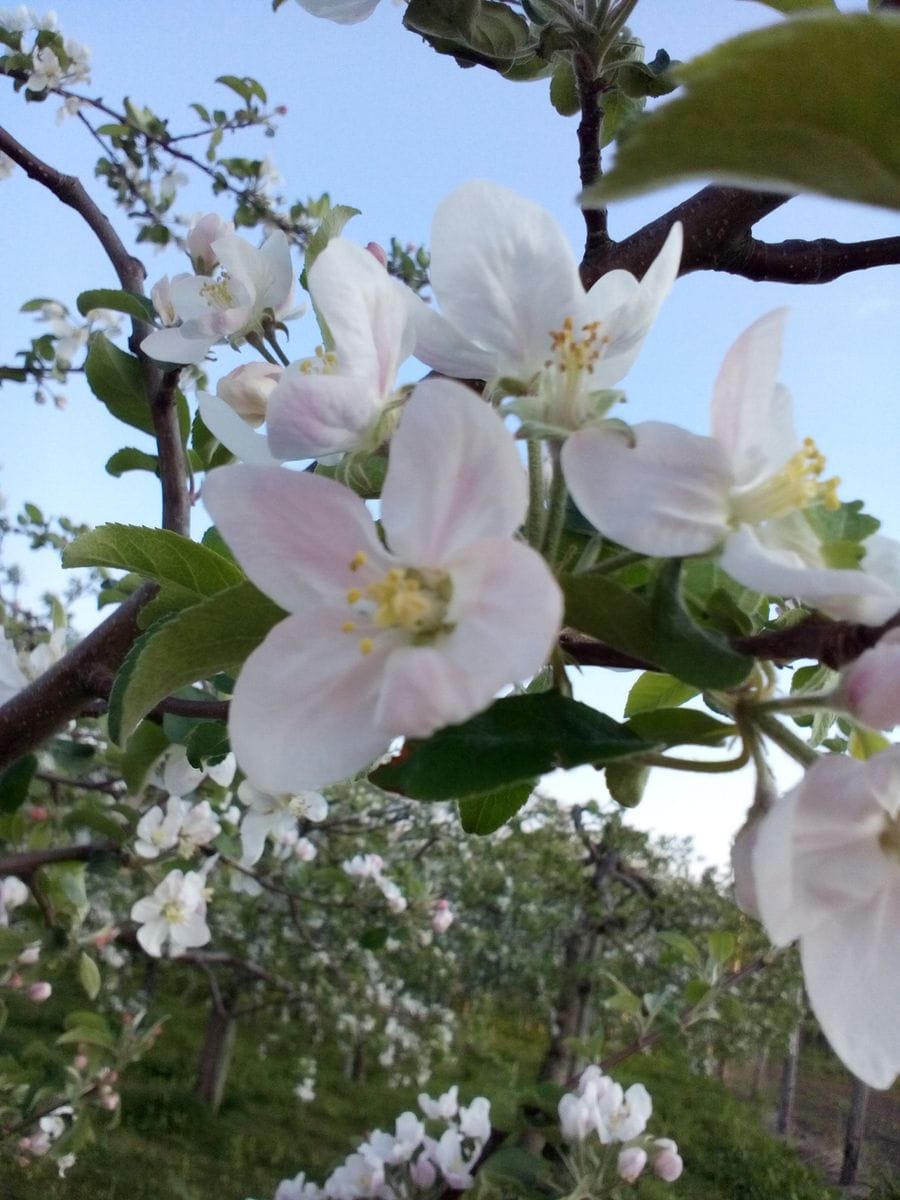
715	767
534	522
789	742
615	563
556	513
814	702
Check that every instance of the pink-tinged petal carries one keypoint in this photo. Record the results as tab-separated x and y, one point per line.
751	418
507	609
667	495
630	310
366	312
445	349
295	534
882	561
870	687
503	273
171	346
422	690
851	965
454	475
842	594
233	432
310	416
302	715
260	278
190	296
344	12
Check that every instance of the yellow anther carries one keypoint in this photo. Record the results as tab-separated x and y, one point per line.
348	627
359	559
354	595
218	292
365	645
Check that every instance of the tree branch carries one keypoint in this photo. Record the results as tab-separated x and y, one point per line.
589	168
24	864
799	261
160	388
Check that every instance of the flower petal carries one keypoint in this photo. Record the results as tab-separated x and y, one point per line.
667	495
310	416
295	534
233	432
302	715
445	349
422	690
842	594
172	346
344	12
366	312
454	475
751	418
503	273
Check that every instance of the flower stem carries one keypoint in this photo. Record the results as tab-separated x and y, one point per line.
534	522
789	743
715	767
556	514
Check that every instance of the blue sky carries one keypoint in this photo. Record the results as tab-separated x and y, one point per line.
382	123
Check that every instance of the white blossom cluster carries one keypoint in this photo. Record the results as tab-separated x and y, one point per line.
409	1162
599	1109
63	63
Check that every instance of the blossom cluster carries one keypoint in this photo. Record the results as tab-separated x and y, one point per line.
408	1162
599	1109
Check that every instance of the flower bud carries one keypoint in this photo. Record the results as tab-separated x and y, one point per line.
667	1163
422	1172
246	389
30	955
80	1062
377	252
199	242
443	917
161	295
869	689
631	1162
39	992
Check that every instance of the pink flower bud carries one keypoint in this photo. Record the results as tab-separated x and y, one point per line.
110	1101
40	991
869	689
632	1161
443	917
15	981
80	1062
377	252
422	1172
667	1164
37	812
246	389
200	242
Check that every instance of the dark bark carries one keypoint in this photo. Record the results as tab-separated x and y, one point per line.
215	1055
854	1133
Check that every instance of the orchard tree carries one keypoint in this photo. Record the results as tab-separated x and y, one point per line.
327	647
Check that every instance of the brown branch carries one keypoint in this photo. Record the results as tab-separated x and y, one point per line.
716	221
589	168
160	388
799	261
69	686
26	862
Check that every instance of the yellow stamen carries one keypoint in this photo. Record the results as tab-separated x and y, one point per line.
365	645
354	595
348	627
796	485
359	559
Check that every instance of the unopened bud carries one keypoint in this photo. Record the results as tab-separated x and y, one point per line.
377	252
869	689
631	1162
246	389
667	1164
39	992
80	1062
200	240
443	917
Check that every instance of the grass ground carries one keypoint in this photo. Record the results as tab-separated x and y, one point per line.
171	1147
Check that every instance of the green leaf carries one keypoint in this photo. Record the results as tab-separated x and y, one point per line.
11	945
129	303
563	89
682	945
374	938
697	656
245	87
680	726
129	459
207	741
806	105
513	741
487	812
215	635
654	690
89	975
15	782
791	6
603	609
141	751
117	380
156	554
721	945
63	890
452	19
91	1035
625	782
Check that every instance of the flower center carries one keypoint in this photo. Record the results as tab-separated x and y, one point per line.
324	362
573	355
218	293
796	485
173	912
408	598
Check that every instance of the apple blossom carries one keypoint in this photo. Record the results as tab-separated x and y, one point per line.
384	640
13	894
345	399
665	492
826	867
443	916
158	831
274	816
514	311
667	1162
204	231
253	290
297	1188
40	991
630	1163
869	689
176	912
444	1108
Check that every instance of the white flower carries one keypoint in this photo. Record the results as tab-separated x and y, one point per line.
297	1188
663	491
239	408
12	677
826	865
345	400
444	1108
254	286
514	311
46	71
158	831
274	816
869	689
443	917
176	912
199	827
13	894
384	641
455	1167
344	12
364	866
7	165
475	1119
361	1176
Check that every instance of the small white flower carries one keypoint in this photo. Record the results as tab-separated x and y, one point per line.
175	913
